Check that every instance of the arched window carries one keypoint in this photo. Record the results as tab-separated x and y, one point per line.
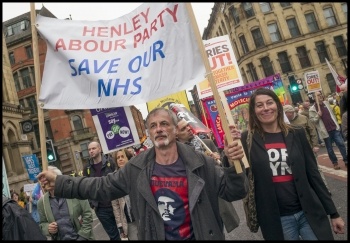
77	124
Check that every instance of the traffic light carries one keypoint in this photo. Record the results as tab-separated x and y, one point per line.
50	149
293	84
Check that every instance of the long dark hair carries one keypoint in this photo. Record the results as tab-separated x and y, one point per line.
254	123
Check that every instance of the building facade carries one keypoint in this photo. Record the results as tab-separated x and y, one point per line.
70	130
290	38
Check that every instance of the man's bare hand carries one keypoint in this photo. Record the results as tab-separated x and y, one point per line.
47	180
232	150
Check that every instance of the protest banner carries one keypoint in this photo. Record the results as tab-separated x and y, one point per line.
179	97
313	81
115	128
146	54
339	80
223	64
238	99
182	113
5	182
32	165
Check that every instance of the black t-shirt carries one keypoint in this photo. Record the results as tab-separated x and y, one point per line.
282	176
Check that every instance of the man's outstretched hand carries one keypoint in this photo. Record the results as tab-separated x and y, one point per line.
47	180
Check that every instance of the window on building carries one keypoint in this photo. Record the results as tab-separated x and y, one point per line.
84	150
329	16
17	28
283	5
267	66
293	27
274	32
32	74
340	45
21	102
303	57
26	80
244	44
344	6
248	9
224	27
321	51
284	62
331	82
37	134
17	83
258	38
220	31
29	52
12	58
48	128
235	15
265	7
311	22
252	71
32	104
77	124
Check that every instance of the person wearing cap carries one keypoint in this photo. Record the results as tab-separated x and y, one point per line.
297	119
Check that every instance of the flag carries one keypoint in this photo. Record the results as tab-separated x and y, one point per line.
144	55
339	80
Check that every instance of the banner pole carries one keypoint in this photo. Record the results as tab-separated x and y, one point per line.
209	75
37	85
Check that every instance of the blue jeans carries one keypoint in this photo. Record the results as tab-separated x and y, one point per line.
295	226
335	136
107	219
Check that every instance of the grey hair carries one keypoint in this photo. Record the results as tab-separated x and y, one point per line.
54	169
158	109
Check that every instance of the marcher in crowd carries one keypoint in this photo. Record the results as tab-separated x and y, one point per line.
182	184
33	201
344	112
122	207
333	103
64	219
15	196
185	135
99	165
328	129
311	134
292	201
17	223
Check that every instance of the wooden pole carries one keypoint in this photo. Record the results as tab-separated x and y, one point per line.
231	121
210	78
38	84
207	149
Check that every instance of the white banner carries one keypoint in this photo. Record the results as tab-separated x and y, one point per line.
146	54
223	64
313	81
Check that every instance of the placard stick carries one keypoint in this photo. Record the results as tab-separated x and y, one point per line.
210	78
231	121
207	148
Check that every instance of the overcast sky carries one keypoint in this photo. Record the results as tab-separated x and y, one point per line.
99	11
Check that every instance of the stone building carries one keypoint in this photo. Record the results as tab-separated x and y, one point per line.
70	130
290	38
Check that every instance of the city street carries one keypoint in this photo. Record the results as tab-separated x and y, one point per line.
337	182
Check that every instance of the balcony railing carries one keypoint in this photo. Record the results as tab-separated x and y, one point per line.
81	134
